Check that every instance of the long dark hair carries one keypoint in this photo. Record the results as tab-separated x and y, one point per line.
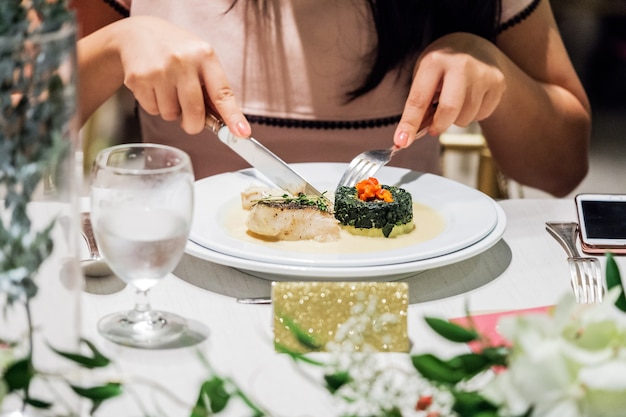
405	27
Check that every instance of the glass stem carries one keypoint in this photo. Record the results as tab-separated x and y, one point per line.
143	312
142	302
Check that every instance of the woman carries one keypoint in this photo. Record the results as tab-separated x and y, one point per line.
322	80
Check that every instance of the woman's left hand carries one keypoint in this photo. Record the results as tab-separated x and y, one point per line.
461	72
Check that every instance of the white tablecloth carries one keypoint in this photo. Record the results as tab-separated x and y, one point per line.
527	268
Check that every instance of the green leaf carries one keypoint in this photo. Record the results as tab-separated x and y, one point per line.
470	363
613	279
213	398
456	369
33	402
337	380
296	356
498	356
18	375
99	393
95	404
472	404
394	412
435	369
97	360
305	339
452	331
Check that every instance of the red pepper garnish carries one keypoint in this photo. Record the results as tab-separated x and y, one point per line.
424	402
369	189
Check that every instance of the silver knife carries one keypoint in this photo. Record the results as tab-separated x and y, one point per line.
262	159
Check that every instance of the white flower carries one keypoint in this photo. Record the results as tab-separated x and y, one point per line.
380	383
570	363
365	318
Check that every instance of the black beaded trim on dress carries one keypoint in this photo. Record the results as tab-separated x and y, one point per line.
118	7
518	18
323	124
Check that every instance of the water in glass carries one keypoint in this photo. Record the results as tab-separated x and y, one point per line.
141	204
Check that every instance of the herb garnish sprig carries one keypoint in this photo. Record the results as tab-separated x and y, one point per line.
319	201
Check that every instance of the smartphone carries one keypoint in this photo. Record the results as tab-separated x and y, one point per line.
602	222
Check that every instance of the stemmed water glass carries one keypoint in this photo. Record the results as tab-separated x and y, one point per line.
141	208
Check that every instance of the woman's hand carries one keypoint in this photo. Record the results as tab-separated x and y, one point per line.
175	74
460	72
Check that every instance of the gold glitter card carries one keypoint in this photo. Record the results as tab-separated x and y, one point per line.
340	316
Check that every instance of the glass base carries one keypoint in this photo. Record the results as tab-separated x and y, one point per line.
142	329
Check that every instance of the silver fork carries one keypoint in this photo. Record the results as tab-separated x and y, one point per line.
585	272
366	164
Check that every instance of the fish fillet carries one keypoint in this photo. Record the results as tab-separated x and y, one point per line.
292	221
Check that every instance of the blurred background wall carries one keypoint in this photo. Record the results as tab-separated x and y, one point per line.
594	32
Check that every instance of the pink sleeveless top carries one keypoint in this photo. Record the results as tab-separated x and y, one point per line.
290	78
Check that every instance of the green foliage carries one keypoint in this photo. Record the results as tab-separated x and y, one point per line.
452	331
36	106
438	370
459	368
337	380
19	374
304	338
98	394
216	392
23	252
472	404
614	279
14	21
33	402
296	356
53	14
462	367
213	398
12	18
96	360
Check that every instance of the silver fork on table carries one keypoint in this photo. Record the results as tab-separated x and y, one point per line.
366	164
585	272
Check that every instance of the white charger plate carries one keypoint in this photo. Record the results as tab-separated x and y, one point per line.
283	272
469	216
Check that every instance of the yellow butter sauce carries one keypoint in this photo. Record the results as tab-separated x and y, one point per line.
428	225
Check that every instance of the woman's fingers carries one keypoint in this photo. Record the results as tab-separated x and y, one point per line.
167	101
418	107
146	97
168	69
451	100
222	96
193	107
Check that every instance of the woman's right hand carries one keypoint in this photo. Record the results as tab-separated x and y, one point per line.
175	74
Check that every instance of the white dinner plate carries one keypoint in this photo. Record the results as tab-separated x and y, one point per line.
468	216
283	272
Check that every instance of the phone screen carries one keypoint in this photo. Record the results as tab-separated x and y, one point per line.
604	219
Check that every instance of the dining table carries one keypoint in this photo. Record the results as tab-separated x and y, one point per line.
524	269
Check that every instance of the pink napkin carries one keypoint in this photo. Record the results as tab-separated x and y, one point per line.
487	325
